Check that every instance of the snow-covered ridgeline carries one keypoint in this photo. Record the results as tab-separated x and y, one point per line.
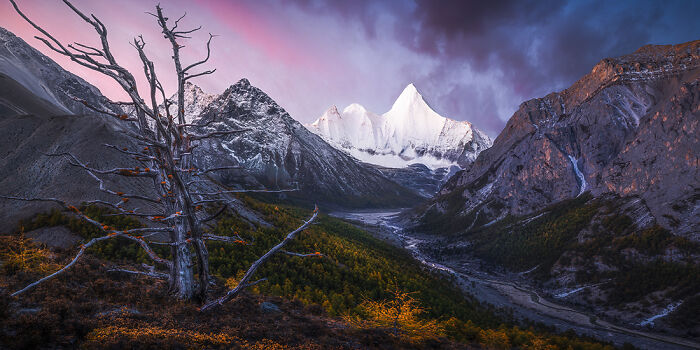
410	132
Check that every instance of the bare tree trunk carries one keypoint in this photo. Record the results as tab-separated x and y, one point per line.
183	265
166	158
204	277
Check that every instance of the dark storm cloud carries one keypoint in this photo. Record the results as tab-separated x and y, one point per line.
537	45
534	47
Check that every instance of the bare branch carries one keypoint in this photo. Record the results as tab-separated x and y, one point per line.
242	191
243	283
111	232
178	21
230	239
115	171
71	263
151	254
215	215
121	210
122	103
205	59
93	51
256	282
183	33
206	72
101	111
119	171
316	254
197	172
137	155
198	125
154	274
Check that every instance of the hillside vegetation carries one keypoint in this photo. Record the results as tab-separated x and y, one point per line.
630	267
356	277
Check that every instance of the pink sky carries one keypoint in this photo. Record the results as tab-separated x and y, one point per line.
471	60
297	65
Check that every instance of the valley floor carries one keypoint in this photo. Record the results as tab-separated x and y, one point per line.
509	292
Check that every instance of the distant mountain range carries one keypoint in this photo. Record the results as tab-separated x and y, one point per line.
277	152
39	115
410	132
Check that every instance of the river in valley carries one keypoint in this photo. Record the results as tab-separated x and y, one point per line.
504	293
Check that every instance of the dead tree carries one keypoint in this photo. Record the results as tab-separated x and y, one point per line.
166	154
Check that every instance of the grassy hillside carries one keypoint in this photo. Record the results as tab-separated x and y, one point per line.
357	272
592	237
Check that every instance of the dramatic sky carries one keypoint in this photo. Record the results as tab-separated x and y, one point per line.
471	60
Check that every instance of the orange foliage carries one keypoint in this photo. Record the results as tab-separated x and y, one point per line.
21	253
400	314
494	339
109	333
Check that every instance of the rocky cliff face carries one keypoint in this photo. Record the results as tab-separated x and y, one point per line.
277	152
628	127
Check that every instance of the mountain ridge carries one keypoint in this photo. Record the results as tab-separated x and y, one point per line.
410	132
565	143
47	79
278	153
57	123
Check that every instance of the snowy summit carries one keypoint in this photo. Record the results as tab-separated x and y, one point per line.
410	132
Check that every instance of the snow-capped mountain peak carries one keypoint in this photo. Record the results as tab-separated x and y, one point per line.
410	132
330	114
409	96
196	100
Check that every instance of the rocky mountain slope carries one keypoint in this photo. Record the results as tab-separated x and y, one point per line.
630	127
592	194
38	115
410	132
45	78
420	178
277	152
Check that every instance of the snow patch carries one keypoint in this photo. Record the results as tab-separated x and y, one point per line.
574	291
579	175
